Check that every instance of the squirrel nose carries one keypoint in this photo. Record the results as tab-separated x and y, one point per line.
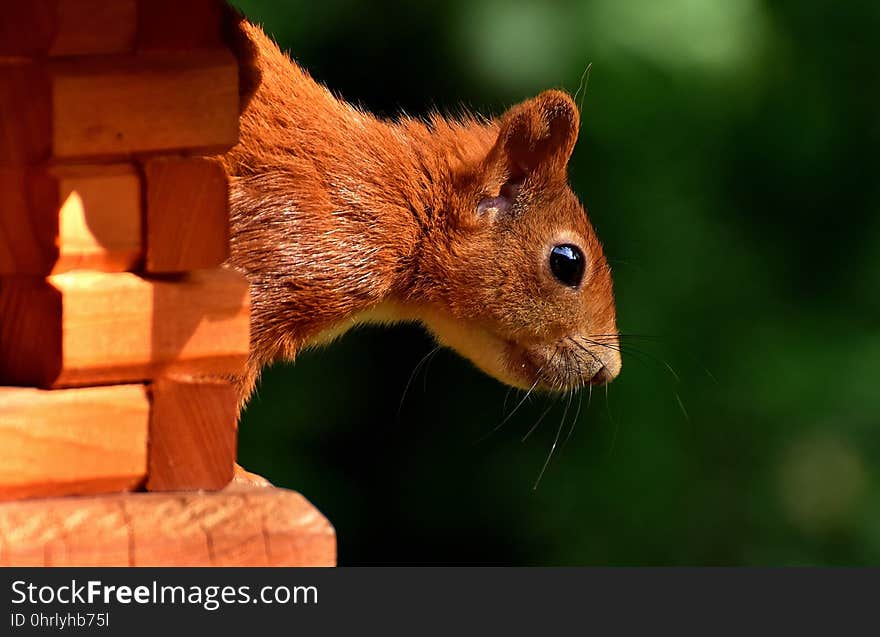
601	377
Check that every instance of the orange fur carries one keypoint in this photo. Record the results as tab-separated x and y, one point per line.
339	217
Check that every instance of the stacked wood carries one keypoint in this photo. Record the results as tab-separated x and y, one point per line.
70	217
68	27
87	328
188	217
192	418
80	108
119	327
90	216
88	440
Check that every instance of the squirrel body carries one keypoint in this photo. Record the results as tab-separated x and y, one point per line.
468	226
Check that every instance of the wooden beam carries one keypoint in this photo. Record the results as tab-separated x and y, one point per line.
87	328
117	106
70	217
25	111
68	27
236	527
195	25
72	441
187	214
193	427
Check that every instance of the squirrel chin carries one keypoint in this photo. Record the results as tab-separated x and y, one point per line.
543	367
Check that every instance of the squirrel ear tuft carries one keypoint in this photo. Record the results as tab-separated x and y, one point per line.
537	134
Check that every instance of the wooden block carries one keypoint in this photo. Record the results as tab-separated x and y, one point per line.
70	217
235	527
25	112
72	441
187	214
103	107
68	27
28	236
194	24
193	428
87	328
145	103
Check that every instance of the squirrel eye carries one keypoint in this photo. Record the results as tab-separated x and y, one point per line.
567	264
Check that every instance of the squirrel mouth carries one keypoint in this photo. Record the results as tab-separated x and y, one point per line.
559	367
525	365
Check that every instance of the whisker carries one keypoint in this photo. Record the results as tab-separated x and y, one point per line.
654	338
683	410
631	351
639	356
412	376
431	356
555	442
584	349
585	80
574	421
630	264
506	398
627	335
537	422
515	409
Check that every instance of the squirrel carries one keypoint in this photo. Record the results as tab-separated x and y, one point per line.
468	226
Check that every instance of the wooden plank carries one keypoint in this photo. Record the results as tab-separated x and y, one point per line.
187	214
150	103
72	441
68	27
102	107
99	217
27	28
195	25
193	427
28	237
70	217
87	328
234	527
25	112
90	27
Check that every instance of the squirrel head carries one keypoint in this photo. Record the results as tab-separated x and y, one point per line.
521	286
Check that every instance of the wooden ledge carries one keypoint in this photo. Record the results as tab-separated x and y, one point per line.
239	526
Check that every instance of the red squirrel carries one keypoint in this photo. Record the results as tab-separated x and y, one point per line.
468	226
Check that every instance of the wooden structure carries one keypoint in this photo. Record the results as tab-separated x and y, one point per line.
118	323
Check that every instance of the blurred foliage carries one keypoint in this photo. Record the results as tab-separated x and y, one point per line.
729	158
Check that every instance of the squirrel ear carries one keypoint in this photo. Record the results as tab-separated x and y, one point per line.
538	134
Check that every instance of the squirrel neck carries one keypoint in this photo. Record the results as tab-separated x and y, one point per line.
329	204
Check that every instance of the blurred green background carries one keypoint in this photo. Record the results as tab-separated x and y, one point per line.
729	159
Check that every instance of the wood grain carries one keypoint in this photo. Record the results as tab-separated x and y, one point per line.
70	217
68	27
187	214
72	441
86	328
117	106
193	427
235	527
